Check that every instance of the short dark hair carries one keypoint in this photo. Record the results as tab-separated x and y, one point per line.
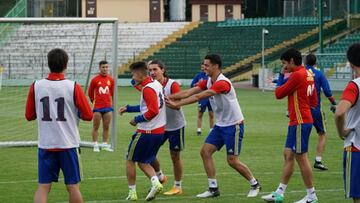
138	66
214	59
161	65
103	62
292	54
57	60
310	60
353	54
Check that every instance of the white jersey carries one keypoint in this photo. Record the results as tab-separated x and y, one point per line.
160	119
56	114
225	106
353	122
175	119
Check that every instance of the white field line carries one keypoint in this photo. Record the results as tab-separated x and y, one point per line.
184	197
185	175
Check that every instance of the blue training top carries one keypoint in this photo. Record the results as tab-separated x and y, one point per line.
199	77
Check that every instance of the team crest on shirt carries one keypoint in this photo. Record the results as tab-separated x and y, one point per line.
108	82
230	151
104	90
99	83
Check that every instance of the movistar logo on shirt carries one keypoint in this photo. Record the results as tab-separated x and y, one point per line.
104	90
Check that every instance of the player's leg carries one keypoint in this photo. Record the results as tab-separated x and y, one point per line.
147	147
176	145
96	123
212	143
156	164
42	192
159	173
131	158
211	116
319	124
301	149
199	120
74	193
70	166
232	136
351	173
48	172
106	119
288	167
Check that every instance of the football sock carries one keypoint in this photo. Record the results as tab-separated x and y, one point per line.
281	189
253	181
177	184
212	183
318	158
311	193
199	129
154	180
160	175
132	187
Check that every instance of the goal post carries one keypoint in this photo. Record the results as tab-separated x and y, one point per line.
15	82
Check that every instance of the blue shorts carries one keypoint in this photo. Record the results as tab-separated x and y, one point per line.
144	147
351	174
176	139
231	136
104	110
203	104
51	162
319	120
298	138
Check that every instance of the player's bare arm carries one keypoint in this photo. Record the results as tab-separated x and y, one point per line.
189	100
341	110
185	93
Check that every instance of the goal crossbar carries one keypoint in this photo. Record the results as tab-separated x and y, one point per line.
114	50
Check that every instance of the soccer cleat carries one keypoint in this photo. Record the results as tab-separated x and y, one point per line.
96	148
198	133
164	180
320	166
132	196
174	191
155	189
306	199
107	148
254	190
273	197
209	193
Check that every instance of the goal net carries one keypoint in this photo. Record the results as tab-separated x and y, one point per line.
24	44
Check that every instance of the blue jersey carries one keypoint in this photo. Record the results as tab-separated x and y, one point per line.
199	77
320	83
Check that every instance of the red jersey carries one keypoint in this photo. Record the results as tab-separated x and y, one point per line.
101	91
301	92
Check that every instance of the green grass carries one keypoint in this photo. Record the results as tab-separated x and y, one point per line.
104	173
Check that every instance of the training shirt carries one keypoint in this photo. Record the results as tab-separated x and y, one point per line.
55	103
301	92
101	90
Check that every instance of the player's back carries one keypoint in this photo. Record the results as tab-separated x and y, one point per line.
56	114
299	100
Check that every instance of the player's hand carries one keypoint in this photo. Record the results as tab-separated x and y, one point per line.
132	122
122	110
333	108
172	103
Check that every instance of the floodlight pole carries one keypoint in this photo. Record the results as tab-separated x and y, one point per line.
263	32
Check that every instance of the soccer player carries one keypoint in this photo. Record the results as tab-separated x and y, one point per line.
56	102
174	129
347	119
151	122
301	93
317	114
229	126
204	103
101	91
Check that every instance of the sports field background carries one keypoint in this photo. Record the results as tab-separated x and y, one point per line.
104	177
